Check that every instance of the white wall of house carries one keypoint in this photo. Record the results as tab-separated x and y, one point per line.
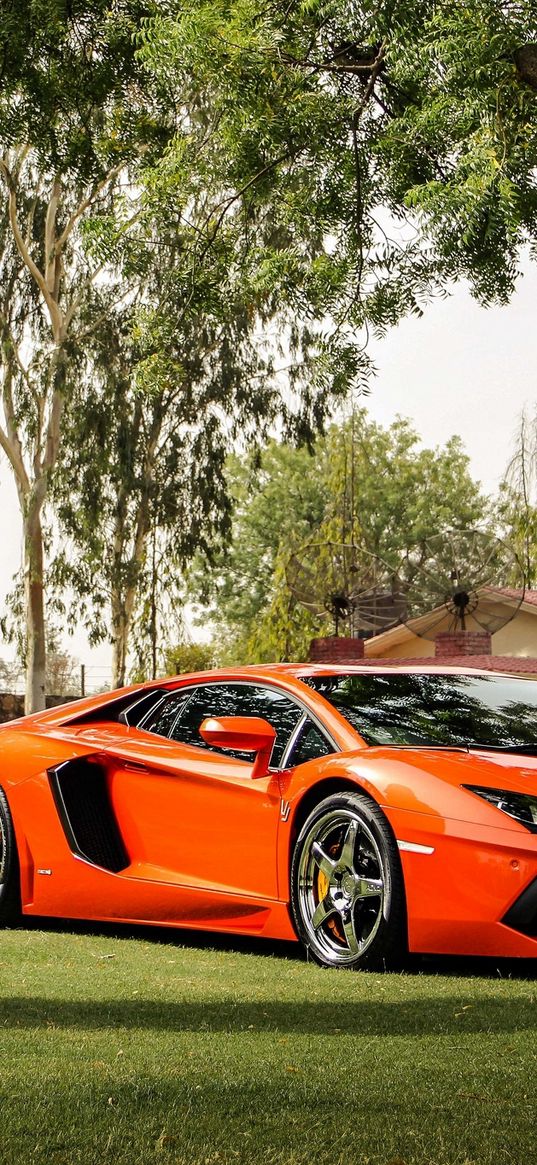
518	637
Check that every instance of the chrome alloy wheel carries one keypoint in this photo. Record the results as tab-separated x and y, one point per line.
342	885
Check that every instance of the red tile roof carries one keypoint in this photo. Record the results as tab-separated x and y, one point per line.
516	665
512	593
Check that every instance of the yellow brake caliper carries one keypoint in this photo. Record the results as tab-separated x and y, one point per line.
322	885
322	891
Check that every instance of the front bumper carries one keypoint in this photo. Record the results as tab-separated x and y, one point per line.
470	889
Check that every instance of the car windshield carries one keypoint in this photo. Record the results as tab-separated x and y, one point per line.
428	709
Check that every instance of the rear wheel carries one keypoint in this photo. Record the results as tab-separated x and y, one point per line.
9	866
347	891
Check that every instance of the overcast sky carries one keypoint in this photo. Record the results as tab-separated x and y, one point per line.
460	369
463	369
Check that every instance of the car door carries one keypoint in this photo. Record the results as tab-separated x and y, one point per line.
191	814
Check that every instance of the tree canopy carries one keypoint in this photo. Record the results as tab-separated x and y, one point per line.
360	113
207	207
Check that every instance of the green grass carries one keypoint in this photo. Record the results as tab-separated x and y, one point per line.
142	1050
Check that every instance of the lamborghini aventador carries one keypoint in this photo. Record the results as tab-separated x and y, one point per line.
365	811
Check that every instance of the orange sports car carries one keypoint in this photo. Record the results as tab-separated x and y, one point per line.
364	811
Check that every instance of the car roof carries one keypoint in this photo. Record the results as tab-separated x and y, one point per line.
301	670
68	712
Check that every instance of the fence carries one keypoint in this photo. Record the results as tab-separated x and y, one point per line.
82	680
92	679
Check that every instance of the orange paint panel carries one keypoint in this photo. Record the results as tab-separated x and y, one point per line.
208	830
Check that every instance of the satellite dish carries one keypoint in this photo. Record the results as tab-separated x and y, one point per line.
456	574
353	586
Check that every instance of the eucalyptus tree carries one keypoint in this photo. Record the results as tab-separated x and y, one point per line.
142	485
75	120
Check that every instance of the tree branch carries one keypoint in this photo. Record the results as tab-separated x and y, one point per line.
22	247
50	235
238	194
10	441
85	204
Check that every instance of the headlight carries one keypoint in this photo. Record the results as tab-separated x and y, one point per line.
521	806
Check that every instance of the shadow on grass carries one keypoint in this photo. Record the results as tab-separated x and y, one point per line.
422	1016
457	966
170	935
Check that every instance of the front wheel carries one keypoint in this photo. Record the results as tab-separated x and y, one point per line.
347	891
9	866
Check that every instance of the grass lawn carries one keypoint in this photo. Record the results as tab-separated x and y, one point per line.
141	1049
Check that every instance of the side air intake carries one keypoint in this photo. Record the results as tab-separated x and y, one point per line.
83	803
522	915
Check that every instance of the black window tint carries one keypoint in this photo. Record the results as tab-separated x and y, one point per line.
162	719
209	700
310	745
428	708
281	712
237	700
139	709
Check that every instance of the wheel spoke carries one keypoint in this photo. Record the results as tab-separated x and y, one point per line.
323	911
353	941
346	857
325	864
368	887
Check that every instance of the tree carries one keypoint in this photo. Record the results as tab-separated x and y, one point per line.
229	336
362	482
517	505
267	139
134	476
278	500
318	129
185	657
366	111
75	121
459	136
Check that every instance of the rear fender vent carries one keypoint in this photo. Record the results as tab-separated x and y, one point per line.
82	799
522	915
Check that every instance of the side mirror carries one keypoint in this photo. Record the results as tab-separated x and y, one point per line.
245	733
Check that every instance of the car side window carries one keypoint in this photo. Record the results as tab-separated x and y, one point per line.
162	718
236	700
310	744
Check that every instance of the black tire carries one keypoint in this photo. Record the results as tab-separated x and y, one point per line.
347	890
9	867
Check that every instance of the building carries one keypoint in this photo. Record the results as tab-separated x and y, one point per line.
511	648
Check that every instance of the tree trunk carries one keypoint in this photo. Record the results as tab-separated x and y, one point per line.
35	609
122	612
120	637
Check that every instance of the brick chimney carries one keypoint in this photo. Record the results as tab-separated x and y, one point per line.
336	649
450	643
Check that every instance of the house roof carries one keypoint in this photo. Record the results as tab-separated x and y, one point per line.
514	664
511	597
526	596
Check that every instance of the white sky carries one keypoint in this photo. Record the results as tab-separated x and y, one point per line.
460	369
463	369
